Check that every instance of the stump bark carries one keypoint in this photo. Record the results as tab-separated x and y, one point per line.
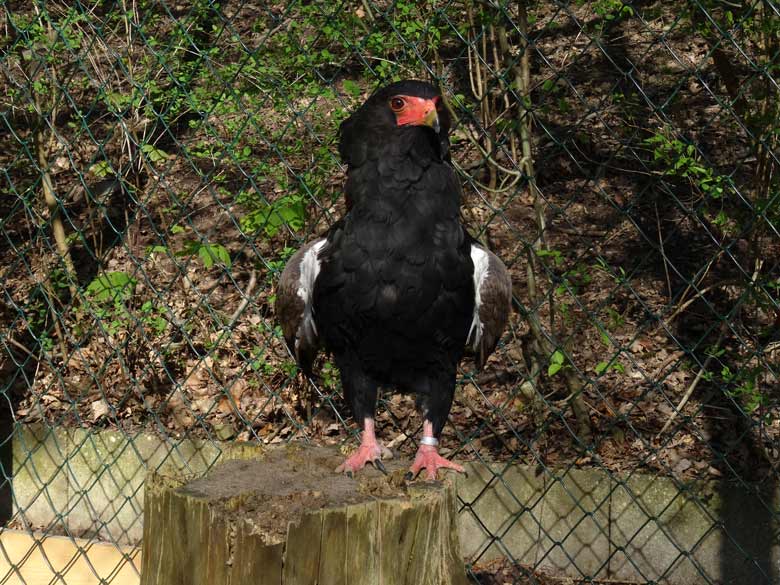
285	518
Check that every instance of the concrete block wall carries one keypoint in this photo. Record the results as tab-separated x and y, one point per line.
586	523
590	524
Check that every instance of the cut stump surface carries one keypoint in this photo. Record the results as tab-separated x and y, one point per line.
285	518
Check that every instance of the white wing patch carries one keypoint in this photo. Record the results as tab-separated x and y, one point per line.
310	268
481	260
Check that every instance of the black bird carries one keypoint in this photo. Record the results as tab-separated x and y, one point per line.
396	290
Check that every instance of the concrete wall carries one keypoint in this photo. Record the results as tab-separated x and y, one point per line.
588	523
91	484
582	522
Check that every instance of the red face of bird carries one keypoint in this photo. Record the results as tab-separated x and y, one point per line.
411	110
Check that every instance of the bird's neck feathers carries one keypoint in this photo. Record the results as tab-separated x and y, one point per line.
391	170
363	139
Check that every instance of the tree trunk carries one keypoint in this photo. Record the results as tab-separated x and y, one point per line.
286	518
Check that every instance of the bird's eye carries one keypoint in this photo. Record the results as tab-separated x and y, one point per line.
397	104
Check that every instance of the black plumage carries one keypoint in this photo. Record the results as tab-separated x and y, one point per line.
392	292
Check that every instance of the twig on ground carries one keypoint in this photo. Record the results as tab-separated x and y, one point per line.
692	387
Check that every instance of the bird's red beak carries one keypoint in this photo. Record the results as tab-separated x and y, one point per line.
417	111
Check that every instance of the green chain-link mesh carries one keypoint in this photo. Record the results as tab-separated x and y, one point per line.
161	160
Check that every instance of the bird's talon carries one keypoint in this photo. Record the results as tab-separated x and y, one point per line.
429	459
368	452
408	476
379	465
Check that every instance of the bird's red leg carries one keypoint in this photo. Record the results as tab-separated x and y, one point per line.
370	451
428	456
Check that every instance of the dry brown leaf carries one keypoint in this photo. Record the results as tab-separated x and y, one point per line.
99	409
203	404
181	418
682	465
200	377
236	391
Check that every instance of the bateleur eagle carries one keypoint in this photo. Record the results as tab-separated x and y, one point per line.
396	290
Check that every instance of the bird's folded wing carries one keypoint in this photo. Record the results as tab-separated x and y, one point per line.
294	303
493	301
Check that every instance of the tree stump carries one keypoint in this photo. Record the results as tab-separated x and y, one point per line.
285	518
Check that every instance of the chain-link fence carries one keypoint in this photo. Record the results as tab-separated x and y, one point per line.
162	159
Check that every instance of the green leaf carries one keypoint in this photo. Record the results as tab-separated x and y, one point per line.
156	249
352	88
155	154
101	169
111	286
557	360
159	324
600	368
210	253
289	210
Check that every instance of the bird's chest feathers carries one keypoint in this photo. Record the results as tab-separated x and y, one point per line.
405	221
399	193
403	245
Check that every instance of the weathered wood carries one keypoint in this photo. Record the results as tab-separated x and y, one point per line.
285	518
333	566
